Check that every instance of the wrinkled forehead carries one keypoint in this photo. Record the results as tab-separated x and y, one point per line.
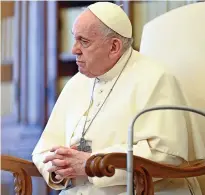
86	24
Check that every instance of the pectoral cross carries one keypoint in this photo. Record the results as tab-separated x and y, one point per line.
84	145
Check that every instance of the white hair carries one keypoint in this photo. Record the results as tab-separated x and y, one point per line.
109	33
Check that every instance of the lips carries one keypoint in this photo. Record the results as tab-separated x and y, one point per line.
80	63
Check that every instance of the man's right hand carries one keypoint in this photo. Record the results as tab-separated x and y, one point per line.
67	162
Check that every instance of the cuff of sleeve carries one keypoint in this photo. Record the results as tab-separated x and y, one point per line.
38	160
53	179
58	184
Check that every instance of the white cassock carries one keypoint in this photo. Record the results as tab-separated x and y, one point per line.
161	136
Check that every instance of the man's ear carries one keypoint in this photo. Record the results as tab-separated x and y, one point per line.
116	47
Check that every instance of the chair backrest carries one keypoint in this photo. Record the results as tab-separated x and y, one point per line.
177	38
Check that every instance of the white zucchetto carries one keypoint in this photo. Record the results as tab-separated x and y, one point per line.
112	16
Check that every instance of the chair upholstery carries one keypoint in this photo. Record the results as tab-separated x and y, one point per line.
177	38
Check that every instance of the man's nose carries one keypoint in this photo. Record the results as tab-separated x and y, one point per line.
76	49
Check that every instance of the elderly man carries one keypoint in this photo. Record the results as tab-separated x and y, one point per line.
96	106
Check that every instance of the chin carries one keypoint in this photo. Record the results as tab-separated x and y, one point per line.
86	73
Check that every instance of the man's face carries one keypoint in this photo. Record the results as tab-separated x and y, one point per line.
91	48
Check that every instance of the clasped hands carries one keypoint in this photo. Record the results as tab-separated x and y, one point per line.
67	162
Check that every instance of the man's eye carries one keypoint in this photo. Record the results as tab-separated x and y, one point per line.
84	43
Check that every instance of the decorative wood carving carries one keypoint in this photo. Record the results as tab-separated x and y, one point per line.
143	182
17	184
105	164
22	171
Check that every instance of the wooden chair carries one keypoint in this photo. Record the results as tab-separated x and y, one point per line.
22	171
105	164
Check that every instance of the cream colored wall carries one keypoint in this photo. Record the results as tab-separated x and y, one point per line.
143	12
139	19
7	94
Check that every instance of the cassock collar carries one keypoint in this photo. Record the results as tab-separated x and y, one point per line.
112	73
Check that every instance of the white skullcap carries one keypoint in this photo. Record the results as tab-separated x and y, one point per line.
112	16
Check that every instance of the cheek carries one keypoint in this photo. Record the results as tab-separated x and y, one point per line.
90	58
94	57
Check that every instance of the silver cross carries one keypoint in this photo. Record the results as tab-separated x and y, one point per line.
84	146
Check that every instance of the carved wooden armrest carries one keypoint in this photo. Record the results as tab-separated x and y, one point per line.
22	171
105	164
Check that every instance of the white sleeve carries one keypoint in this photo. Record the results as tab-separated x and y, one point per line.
43	167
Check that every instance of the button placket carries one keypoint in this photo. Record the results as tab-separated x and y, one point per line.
100	91
98	104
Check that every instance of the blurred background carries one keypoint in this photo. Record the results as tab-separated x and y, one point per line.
36	62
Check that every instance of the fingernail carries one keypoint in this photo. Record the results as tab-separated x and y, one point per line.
58	177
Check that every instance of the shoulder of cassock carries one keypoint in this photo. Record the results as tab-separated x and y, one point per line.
146	70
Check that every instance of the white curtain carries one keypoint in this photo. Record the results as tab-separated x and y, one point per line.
36	62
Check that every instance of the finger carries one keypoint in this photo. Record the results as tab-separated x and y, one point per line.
58	177
59	163
65	172
52	157
55	168
53	149
63	151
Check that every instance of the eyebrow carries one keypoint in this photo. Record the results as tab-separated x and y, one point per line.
80	36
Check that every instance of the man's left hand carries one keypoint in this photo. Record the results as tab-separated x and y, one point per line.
67	162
